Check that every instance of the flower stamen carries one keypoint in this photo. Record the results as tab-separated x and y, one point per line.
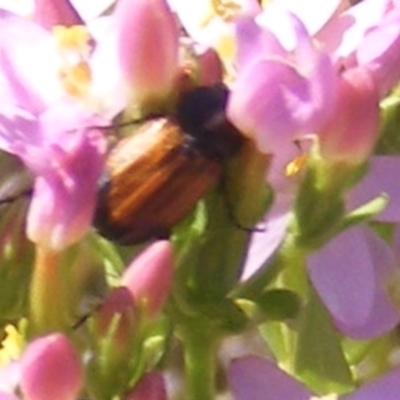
226	9
296	165
74	71
11	345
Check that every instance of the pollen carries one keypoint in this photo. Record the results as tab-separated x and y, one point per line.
226	9
74	37
11	345
74	70
296	165
76	79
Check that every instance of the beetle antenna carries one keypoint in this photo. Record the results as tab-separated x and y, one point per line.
10	199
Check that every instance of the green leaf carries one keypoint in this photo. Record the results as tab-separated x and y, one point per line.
365	212
389	140
108	255
279	304
281	339
319	359
210	249
16	262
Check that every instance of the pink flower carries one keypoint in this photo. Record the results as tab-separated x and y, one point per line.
118	304
66	160
353	272
285	87
149	276
367	35
351	133
146	57
51	369
282	94
50	133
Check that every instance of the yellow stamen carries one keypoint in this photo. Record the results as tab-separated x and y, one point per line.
75	79
296	165
11	345
74	37
74	71
226	9
265	3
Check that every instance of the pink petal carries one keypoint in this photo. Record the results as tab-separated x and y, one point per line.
342	35
29	59
274	102
257	378
56	12
263	244
386	387
255	43
351	138
350	274
313	13
380	52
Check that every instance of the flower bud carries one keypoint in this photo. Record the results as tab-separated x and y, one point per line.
351	133
49	13
150	387
147	46
149	276
113	337
51	369
118	304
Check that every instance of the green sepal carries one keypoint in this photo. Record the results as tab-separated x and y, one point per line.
279	304
210	250
364	213
371	358
319	358
319	206
110	255
389	141
211	244
385	230
108	372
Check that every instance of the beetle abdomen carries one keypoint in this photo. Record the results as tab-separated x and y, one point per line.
154	180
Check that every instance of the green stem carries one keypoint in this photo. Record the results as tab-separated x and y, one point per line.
47	294
200	363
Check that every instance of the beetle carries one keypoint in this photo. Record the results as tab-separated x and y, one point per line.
155	176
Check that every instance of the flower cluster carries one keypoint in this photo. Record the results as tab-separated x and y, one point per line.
199	199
